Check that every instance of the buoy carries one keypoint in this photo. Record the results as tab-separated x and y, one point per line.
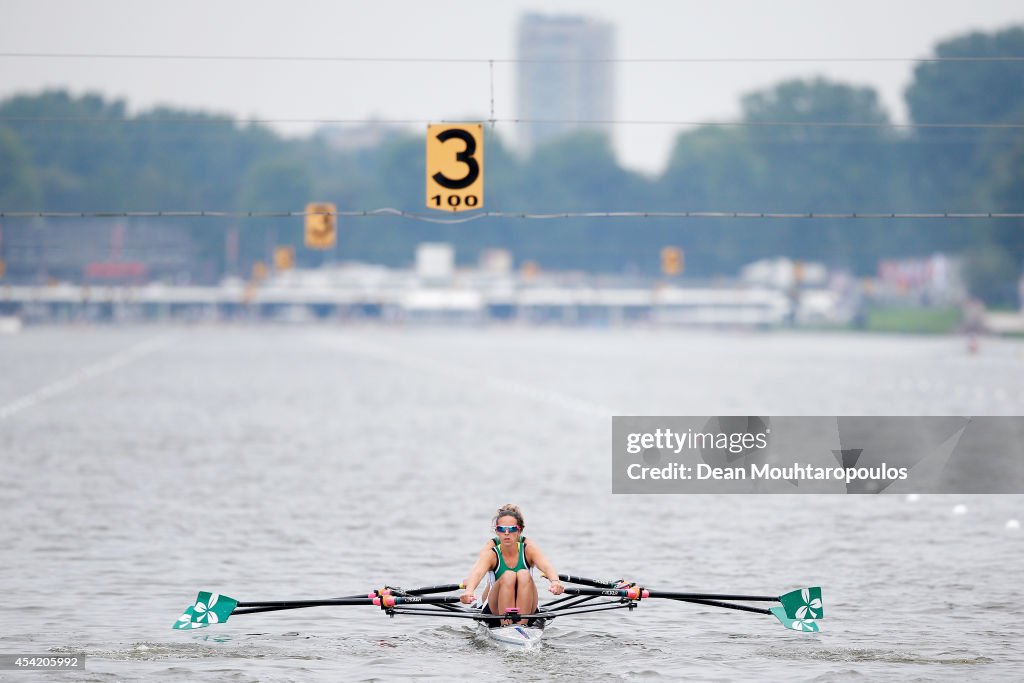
960	509
1013	524
913	497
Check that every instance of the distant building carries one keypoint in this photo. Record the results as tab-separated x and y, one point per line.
100	252
564	76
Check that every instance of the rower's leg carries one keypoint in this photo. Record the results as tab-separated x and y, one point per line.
503	593
526	592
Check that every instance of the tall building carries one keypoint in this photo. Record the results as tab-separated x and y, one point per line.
564	76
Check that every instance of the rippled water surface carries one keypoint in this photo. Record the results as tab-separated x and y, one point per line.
143	464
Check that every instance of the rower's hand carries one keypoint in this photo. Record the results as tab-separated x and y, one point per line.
467	598
556	587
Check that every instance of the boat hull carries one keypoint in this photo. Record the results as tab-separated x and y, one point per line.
515	636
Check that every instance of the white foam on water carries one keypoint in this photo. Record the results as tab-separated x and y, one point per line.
1013	524
913	497
960	509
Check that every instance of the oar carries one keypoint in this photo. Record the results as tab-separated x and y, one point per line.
808	625
253	607
384	599
803	603
785	617
583	581
716	603
635	593
443	588
630	592
711	596
213	608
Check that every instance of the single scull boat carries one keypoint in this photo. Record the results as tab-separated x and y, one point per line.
798	610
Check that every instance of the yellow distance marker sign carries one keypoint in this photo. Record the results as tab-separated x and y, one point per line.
672	262
284	258
455	166
321	225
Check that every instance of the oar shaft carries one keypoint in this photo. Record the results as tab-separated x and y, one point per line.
295	604
710	596
632	593
392	600
584	581
726	605
443	588
254	610
600	583
275	606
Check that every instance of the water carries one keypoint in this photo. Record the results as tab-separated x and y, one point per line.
141	465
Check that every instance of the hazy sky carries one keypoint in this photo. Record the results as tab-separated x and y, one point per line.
458	29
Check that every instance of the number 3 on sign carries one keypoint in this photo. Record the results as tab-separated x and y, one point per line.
455	166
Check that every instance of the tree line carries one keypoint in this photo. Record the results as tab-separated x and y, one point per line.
60	152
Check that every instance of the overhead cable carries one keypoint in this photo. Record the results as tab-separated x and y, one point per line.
583	122
516	215
489	60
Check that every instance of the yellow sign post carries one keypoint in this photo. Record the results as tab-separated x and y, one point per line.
284	258
321	225
455	166
672	261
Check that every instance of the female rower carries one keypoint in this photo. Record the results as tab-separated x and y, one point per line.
508	560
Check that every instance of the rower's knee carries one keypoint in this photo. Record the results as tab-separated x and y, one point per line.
507	579
523	576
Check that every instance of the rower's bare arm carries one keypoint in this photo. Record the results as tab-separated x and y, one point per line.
538	559
476	574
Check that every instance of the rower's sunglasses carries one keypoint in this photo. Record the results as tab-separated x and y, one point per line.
506	529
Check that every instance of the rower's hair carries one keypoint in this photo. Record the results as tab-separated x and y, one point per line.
512	511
